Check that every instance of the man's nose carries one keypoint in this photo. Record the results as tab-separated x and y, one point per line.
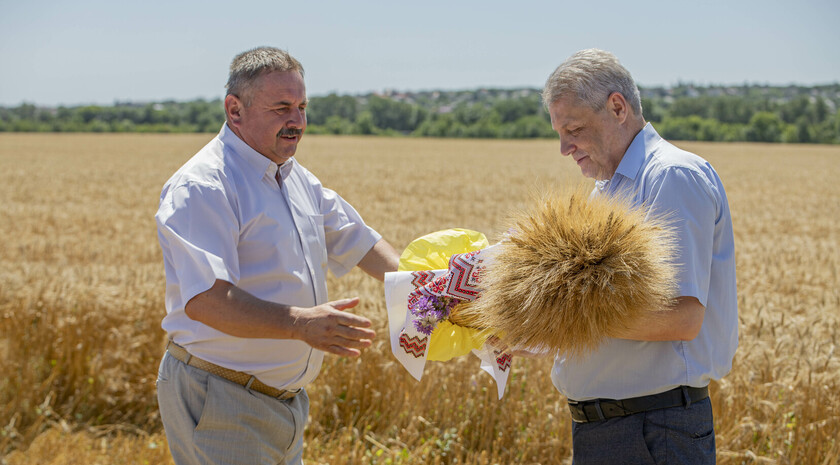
566	147
298	118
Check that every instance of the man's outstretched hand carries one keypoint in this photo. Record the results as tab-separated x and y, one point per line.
329	328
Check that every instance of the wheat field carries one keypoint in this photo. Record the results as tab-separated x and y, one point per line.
81	298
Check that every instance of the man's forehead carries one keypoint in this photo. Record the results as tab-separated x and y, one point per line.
568	110
288	84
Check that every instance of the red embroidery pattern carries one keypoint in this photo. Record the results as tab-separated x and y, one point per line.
415	346
462	276
437	286
421	278
461	281
503	360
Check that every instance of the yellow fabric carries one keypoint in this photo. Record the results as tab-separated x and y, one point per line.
432	252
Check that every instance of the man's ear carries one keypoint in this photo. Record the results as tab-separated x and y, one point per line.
233	110
617	106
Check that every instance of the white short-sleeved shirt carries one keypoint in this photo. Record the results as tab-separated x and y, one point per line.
223	216
673	182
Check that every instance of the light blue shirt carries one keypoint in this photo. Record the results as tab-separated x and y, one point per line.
680	184
224	216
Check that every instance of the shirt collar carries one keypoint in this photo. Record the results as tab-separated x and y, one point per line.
256	164
634	157
285	168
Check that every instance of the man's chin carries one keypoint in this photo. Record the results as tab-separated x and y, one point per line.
596	174
281	157
287	150
587	173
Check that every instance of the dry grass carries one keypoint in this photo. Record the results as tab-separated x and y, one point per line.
81	298
574	270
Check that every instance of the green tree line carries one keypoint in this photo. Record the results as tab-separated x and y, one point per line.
793	114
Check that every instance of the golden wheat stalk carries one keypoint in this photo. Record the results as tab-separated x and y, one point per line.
464	314
573	270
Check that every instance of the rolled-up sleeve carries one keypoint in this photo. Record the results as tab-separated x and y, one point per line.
347	236
687	200
198	233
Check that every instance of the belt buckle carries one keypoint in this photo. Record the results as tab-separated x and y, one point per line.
576	411
597	405
251	380
285	394
583	409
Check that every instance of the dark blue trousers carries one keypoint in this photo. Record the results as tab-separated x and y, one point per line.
673	436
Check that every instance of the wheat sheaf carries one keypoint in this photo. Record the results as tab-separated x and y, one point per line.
574	270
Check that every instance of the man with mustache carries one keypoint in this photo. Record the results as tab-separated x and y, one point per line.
247	235
642	396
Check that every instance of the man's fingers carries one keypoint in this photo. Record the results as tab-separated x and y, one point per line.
349	347
344	304
355	333
343	351
349	319
348	341
352	330
333	330
355	343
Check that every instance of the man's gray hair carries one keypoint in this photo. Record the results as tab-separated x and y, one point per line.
591	76
248	66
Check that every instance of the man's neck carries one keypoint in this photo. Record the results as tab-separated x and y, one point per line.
628	133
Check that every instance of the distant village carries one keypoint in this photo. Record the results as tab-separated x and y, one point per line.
749	112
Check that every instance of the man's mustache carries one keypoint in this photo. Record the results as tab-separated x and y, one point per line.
286	132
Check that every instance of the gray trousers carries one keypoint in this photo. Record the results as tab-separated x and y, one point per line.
212	421
672	436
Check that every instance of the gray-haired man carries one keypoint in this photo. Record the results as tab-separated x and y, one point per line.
642	397
247	236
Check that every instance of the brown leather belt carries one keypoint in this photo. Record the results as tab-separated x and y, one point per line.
602	409
243	379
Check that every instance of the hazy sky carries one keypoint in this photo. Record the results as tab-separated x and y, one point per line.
96	51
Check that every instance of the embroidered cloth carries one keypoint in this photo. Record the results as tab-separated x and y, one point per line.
443	266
